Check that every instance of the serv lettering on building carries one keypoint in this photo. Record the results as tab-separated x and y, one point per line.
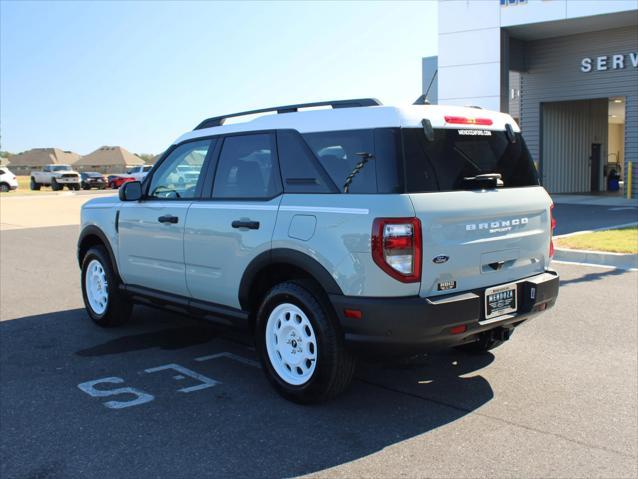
618	61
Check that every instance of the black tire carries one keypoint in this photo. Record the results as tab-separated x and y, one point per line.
55	186
4	188
33	185
485	343
334	367
86	187
118	308
77	187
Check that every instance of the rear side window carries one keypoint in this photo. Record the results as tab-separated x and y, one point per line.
454	155
300	170
340	151
247	168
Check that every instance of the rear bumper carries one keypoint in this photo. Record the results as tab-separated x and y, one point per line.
414	324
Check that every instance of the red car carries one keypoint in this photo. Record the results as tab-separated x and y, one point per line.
115	181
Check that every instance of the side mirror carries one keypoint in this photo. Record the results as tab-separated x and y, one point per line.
130	191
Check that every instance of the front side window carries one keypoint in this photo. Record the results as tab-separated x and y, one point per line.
61	168
339	152
178	175
247	168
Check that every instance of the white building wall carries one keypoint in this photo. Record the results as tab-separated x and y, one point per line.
469	53
470	41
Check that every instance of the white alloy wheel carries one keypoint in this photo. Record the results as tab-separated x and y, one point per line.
291	344
97	287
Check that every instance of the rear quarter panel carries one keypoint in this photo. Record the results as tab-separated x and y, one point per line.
341	240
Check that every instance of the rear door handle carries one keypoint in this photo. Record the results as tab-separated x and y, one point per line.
168	219
251	225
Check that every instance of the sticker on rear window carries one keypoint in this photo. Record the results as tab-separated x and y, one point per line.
475	132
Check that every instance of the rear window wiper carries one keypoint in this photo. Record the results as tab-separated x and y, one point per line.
485	181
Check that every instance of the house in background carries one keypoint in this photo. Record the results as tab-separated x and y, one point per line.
108	159
23	163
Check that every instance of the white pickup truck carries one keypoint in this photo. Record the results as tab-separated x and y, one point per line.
139	172
56	176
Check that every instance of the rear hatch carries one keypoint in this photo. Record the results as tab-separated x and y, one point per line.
478	231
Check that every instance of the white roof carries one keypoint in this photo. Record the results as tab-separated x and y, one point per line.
311	121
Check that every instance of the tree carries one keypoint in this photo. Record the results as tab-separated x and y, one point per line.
147	157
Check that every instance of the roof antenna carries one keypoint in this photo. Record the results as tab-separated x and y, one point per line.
423	99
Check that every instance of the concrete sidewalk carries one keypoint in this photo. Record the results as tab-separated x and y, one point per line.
35	211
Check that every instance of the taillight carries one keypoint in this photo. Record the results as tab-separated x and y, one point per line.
551	230
463	120
396	247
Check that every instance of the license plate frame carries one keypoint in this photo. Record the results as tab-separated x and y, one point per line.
506	303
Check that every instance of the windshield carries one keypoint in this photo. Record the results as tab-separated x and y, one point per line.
453	156
60	168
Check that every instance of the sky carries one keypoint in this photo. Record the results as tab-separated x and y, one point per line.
79	75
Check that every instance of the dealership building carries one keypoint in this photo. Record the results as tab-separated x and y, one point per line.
566	70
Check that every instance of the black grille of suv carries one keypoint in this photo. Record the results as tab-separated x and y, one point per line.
69	175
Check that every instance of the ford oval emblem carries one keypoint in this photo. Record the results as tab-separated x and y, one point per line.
440	259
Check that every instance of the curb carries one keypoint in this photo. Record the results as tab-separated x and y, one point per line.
602	258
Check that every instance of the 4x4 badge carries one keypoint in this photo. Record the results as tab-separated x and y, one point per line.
440	259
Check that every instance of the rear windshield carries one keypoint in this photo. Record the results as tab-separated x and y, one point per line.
453	156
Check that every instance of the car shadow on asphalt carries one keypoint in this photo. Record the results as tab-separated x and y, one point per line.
243	428
597	276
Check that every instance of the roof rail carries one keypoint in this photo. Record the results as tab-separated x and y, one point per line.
219	120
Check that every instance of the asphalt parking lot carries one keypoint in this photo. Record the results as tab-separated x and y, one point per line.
572	218
558	400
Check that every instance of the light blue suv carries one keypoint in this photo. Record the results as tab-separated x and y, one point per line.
332	232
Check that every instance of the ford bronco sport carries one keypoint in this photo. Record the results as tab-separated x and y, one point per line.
329	233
